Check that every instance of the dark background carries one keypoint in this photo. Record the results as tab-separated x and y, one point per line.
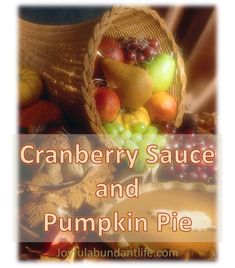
60	15
188	31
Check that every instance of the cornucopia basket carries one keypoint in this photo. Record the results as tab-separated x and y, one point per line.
65	56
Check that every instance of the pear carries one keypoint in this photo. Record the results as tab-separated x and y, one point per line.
133	85
162	72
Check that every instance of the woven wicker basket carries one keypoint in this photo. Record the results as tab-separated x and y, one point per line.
65	56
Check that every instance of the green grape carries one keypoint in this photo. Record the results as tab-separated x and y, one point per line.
119	127
139	166
142	150
151	130
139	128
137	137
144	144
130	145
151	138
119	140
110	128
126	134
161	141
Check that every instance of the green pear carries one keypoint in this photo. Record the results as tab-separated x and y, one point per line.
162	71
133	85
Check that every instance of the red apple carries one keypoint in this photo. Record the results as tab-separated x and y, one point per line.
108	47
107	104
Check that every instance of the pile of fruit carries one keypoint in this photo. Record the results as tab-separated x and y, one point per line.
37	114
132	80
134	105
186	172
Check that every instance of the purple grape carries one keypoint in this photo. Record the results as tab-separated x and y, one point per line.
149	52
181	168
192	176
153	43
140	57
131	55
212	170
203	176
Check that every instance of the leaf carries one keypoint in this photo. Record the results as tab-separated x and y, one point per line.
92	200
55	199
95	176
41	178
85	190
49	203
75	197
35	211
72	196
45	179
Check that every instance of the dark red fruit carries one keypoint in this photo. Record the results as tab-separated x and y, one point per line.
131	55
107	104
181	177
140	57
192	176
144	49
132	46
181	168
153	43
188	125
167	172
212	170
203	176
167	128
38	115
109	47
149	52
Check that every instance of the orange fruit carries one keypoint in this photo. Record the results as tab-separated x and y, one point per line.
161	107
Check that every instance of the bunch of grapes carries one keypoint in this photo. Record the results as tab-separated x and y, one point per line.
139	136
188	172
188	126
167	128
140	49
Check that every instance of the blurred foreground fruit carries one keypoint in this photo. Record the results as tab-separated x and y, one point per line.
38	115
161	107
58	241
107	104
30	87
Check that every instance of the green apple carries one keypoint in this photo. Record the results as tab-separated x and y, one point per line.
162	71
